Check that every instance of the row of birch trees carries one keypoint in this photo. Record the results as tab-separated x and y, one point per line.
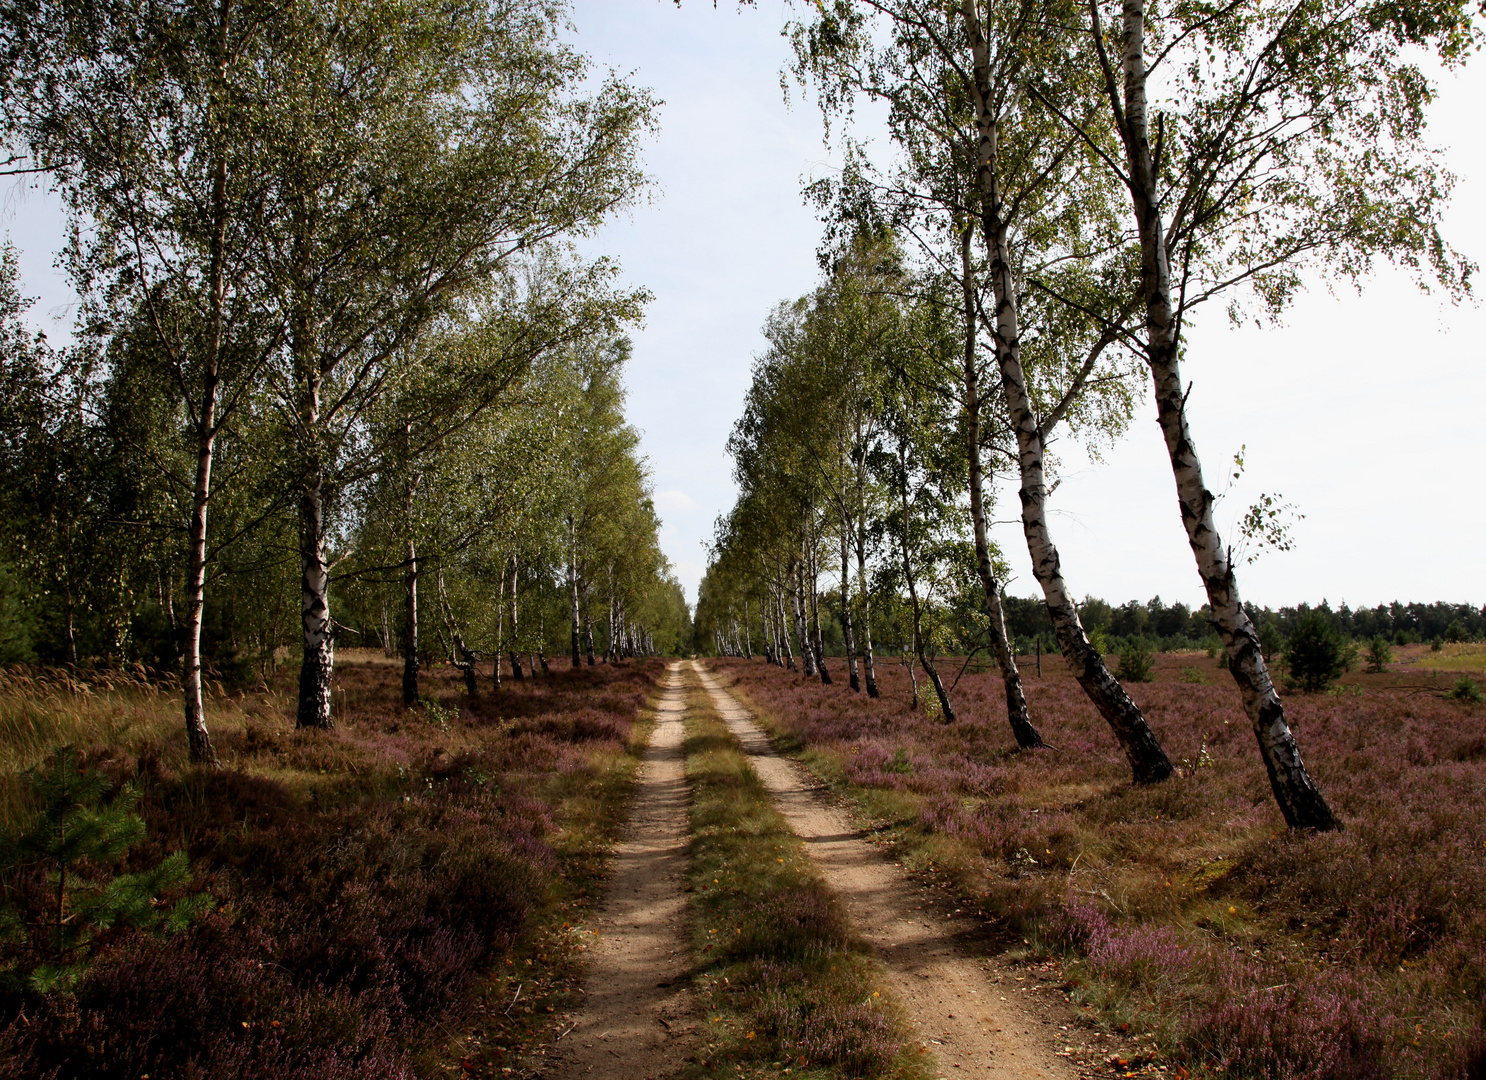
1068	185
333	334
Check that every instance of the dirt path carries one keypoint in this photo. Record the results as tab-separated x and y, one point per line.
638	1020
963	1004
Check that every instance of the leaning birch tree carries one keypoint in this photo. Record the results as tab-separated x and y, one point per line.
1261	141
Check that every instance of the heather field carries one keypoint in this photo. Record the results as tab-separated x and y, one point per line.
393	898
1184	913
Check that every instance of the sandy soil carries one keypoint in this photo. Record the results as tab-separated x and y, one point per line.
972	1011
638	1021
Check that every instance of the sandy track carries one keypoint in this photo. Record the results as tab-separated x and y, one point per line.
946	989
638	1021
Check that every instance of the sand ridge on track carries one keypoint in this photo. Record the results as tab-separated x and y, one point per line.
943	987
638	1021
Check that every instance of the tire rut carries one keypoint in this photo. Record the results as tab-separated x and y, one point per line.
639	1019
944	988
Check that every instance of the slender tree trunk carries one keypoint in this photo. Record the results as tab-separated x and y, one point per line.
817	641
1299	799
846	628
389	638
318	664
197	737
789	654
747	633
410	632
798	603
459	656
1017	713
930	668
515	659
588	622
573	583
868	661
500	625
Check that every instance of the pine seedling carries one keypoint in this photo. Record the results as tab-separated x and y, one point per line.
61	885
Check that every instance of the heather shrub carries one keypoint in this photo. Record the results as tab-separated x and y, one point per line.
1186	907
361	892
1326	1030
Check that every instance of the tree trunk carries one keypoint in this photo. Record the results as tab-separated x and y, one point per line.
1298	798
930	668
515	659
588	622
1017	713
868	661
573	583
198	738
846	629
789	653
500	626
812	572
747	633
318	664
410	631
1148	762
389	638
798	605
459	656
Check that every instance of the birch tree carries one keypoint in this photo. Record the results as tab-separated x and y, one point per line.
418	149
1258	142
978	163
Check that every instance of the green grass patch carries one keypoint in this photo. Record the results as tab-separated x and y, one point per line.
786	986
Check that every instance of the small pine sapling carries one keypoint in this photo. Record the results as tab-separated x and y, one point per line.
1379	655
61	888
1317	653
1136	661
1466	690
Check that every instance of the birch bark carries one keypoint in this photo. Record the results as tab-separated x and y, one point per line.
1148	762
868	664
515	637
573	583
410	636
846	630
1298	798
1026	735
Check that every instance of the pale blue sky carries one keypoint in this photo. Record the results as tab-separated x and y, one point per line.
1368	412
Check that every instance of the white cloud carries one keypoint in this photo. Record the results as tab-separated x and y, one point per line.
674	500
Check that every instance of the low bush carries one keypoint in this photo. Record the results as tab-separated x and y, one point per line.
1136	661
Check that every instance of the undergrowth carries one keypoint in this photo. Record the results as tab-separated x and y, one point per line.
378	890
787	987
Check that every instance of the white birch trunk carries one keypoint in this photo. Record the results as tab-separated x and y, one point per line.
1017	713
1298	798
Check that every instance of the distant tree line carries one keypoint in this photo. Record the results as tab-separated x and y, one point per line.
1176	626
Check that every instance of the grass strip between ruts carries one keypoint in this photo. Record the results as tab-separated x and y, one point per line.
787	987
